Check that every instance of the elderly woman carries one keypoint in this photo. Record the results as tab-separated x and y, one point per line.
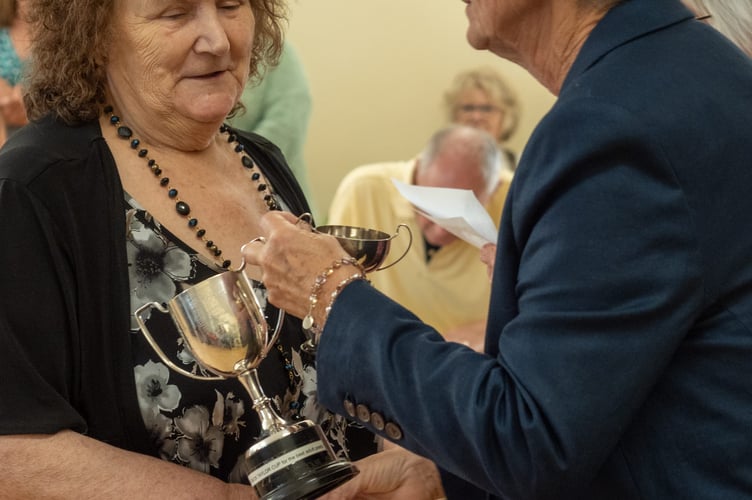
618	347
481	98
126	188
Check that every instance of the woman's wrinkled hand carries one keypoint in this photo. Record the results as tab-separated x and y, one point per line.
290	256
394	474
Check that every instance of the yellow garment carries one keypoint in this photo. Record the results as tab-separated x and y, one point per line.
450	290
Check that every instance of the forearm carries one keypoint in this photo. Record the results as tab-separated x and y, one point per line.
70	465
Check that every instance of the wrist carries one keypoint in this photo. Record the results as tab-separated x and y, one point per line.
326	287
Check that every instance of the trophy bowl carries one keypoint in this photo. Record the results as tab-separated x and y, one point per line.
368	246
222	322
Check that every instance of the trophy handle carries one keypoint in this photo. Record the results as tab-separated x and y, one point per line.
409	244
153	343
305	217
278	327
259	239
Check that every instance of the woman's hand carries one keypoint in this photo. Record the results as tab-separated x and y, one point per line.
290	257
394	474
488	257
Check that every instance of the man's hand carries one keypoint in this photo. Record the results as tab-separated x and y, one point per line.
488	256
472	335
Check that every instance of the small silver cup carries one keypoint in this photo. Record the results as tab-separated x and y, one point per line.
368	246
222	322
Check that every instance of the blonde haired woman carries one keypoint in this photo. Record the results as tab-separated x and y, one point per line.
481	98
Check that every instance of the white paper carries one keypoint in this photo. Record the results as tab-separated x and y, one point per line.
456	210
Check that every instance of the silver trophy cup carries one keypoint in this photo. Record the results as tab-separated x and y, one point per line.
222	322
367	246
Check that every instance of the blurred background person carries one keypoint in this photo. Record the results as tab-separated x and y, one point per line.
733	18
15	42
441	279
481	98
278	107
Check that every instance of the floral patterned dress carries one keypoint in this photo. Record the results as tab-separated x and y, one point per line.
208	425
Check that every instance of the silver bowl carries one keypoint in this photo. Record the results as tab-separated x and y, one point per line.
368	246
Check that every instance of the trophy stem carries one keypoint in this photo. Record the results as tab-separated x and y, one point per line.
271	422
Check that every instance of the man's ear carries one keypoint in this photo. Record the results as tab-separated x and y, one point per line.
414	180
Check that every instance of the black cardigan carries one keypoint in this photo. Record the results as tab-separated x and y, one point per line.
65	360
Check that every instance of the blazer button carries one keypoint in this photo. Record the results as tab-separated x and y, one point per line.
364	414
393	431
377	421
349	407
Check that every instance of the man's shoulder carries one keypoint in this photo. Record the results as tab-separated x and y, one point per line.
378	175
366	195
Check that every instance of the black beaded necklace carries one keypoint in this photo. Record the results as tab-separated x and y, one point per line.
181	207
184	210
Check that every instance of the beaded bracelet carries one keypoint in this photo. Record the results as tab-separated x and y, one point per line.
313	298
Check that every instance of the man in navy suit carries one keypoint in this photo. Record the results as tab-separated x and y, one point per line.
618	359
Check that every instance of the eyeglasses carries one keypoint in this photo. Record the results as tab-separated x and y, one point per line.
485	109
703	17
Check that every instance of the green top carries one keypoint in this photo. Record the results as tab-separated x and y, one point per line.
10	64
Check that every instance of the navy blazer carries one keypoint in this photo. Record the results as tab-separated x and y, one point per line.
618	356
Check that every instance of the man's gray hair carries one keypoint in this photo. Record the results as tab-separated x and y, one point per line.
475	142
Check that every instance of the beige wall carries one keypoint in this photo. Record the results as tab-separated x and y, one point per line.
378	71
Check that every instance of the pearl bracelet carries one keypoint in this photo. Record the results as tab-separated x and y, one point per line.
318	283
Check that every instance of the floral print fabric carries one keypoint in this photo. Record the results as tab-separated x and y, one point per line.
206	425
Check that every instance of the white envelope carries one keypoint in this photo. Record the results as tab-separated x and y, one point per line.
456	210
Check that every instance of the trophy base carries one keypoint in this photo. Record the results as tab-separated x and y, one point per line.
296	463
